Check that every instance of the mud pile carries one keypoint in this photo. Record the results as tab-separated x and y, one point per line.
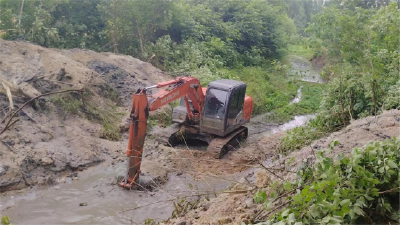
53	137
236	206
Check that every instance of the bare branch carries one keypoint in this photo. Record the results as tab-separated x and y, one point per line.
388	191
9	124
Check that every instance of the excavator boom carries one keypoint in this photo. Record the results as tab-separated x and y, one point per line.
187	87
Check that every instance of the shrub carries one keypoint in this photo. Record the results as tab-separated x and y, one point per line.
360	189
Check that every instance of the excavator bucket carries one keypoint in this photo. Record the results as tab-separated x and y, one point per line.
137	132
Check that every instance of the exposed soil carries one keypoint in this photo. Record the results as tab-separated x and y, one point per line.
237	208
48	143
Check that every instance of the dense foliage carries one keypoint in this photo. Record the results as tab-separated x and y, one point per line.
301	12
363	54
360	189
229	32
360	47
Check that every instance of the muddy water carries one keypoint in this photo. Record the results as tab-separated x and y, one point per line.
305	69
60	204
298	97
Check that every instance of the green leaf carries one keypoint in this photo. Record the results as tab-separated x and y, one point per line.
291	218
358	210
335	143
297	198
304	192
285	213
391	164
345	210
368	197
287	186
335	220
345	202
260	197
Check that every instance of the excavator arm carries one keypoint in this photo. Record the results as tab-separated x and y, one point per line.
187	87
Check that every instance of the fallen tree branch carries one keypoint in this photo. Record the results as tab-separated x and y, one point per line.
9	123
272	172
271	211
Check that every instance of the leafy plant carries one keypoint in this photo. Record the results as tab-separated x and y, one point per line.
5	220
149	221
360	189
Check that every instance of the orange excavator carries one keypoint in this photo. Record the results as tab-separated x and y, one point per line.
214	115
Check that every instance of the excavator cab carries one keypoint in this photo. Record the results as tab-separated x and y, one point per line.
225	108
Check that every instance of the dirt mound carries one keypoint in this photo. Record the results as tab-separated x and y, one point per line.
238	207
60	133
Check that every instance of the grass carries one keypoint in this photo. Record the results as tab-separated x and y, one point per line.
69	103
309	103
101	110
162	118
301	50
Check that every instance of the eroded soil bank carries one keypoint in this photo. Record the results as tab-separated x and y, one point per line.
60	134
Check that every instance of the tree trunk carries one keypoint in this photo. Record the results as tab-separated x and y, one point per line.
341	101
140	41
114	29
372	73
20	17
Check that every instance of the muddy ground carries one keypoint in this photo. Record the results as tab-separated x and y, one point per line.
51	138
54	139
238	207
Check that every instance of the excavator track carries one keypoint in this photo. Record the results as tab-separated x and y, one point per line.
219	146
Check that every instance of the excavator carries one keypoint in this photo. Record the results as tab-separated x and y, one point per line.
214	115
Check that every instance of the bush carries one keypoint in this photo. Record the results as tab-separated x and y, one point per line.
360	189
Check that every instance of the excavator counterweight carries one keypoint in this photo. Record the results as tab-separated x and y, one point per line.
215	115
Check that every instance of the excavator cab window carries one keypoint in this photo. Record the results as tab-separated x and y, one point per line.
235	105
215	103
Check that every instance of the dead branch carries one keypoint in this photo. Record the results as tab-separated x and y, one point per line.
9	123
8	92
272	172
276	208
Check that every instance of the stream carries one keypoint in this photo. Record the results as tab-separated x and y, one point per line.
96	187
